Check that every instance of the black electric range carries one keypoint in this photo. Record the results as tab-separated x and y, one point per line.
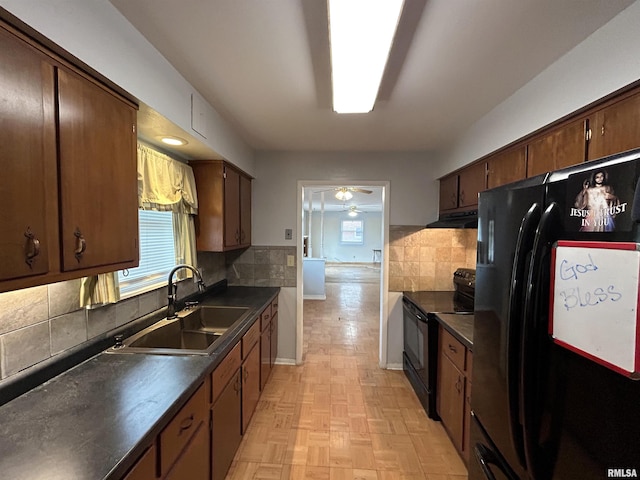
421	332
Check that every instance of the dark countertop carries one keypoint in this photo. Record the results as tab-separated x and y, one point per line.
460	326
94	420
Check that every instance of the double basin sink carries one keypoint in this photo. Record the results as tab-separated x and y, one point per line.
194	332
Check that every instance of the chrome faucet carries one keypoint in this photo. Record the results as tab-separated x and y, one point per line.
173	289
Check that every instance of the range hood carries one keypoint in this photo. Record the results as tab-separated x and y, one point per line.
467	219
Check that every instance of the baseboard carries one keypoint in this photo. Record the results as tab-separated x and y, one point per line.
285	361
314	297
394	366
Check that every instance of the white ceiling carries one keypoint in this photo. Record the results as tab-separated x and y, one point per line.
323	199
264	65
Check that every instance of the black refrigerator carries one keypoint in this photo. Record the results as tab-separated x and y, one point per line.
540	410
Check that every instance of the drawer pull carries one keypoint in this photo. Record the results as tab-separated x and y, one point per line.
186	423
453	348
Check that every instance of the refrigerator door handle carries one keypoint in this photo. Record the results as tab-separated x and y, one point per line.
534	332
486	458
524	245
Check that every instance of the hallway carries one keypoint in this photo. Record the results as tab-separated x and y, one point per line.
339	416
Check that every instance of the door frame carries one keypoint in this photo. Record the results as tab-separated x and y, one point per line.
384	265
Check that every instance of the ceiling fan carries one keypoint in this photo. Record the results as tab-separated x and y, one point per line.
353	211
345	193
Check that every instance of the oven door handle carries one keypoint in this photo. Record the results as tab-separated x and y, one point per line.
413	311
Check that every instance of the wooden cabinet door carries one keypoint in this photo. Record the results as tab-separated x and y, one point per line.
467	420
451	399
616	128
245	210
98	179
231	207
473	180
265	355
193	463
449	192
226	422
506	167
560	148
145	467
274	339
209	224
250	385
28	161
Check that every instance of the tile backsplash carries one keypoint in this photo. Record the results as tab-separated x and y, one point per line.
41	322
425	258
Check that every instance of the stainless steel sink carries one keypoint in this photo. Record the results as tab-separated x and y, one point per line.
194	332
212	318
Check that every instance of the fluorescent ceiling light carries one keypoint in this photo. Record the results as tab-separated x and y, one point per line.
361	33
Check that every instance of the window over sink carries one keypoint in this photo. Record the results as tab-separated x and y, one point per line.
157	254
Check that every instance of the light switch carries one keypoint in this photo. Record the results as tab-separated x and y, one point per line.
291	261
288	234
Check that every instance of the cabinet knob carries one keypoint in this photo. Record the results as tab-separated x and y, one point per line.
81	244
32	247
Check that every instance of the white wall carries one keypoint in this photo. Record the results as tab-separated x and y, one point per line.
603	63
96	33
333	250
413	190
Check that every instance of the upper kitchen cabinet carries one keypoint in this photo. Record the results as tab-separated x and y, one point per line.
460	191
69	179
615	128
506	167
224	206
98	194
562	147
28	159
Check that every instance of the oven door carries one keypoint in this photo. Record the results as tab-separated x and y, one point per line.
415	340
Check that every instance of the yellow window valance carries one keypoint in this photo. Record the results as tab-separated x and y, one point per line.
165	183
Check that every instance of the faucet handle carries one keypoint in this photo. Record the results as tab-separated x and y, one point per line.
189	305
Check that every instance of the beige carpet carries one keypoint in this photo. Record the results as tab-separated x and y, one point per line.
352	273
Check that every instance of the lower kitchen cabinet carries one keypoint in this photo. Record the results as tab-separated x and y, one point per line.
226	413
265	346
183	442
145	467
250	373
454	390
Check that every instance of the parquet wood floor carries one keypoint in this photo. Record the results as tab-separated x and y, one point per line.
339	416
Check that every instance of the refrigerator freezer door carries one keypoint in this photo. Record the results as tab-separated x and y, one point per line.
495	349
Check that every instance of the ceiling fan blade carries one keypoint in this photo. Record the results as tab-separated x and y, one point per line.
360	190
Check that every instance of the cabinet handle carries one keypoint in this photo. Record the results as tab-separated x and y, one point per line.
462	197
459	385
238	236
602	130
236	384
81	244
453	349
33	247
246	374
186	424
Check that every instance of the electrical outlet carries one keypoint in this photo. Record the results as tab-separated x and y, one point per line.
288	234
291	261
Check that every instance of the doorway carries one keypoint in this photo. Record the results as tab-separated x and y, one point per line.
318	198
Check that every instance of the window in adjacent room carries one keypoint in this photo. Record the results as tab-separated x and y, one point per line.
351	232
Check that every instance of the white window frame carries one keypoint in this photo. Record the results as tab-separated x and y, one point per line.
357	239
157	254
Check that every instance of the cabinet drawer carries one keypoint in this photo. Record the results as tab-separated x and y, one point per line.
453	349
223	372
250	338
176	435
265	318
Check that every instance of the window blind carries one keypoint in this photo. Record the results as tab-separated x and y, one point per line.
157	254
